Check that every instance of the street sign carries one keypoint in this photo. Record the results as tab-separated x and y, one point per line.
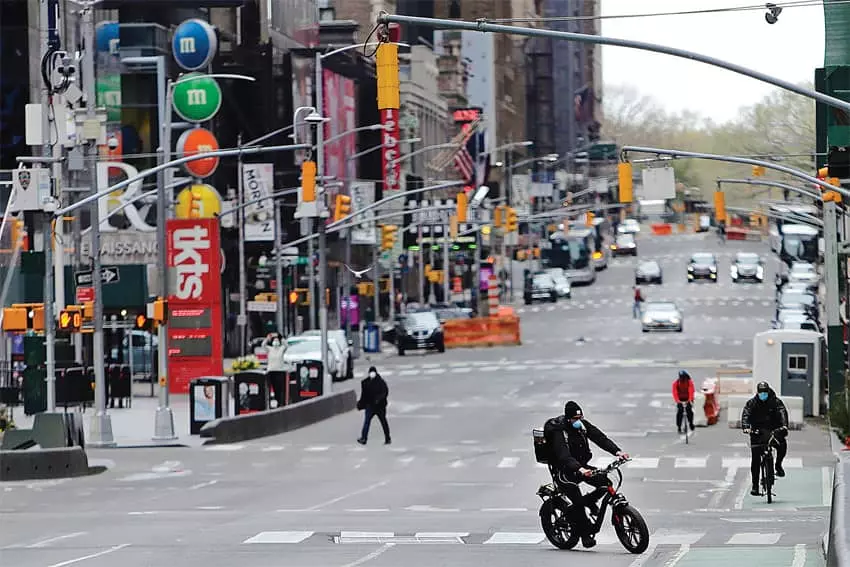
194	44
108	275
198	141
206	195
262	306
85	294
197	97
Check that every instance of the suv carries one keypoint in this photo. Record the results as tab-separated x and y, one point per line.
419	330
540	287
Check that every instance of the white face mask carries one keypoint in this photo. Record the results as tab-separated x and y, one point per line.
372	375
276	342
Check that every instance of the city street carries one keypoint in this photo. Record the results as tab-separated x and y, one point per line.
457	486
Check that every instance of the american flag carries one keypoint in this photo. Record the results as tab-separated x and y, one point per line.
466	159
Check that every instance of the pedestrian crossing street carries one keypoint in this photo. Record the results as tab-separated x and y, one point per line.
426	370
605	538
476	456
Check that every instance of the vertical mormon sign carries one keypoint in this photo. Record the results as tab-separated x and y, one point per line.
194	45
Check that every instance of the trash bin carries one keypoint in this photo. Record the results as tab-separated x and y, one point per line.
310	379
372	338
251	390
209	399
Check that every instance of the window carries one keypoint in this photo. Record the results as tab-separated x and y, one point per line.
798	362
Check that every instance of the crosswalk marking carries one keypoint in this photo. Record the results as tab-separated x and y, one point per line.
317	448
279	537
508	462
366	535
752	538
457	464
440	535
521	538
691	462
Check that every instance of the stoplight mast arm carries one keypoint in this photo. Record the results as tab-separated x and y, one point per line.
768	183
677	154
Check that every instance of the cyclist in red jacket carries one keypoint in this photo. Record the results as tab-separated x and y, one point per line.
683	395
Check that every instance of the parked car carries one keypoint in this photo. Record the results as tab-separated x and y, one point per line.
629	226
795	319
799	272
540	288
449	313
419	330
649	271
702	266
704	223
662	316
624	244
309	349
802	301
747	266
344	344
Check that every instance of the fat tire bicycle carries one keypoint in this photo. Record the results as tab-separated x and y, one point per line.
767	474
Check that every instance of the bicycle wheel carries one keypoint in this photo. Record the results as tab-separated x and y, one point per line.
767	475
631	529
556	525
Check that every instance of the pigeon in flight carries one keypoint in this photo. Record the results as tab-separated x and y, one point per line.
358	273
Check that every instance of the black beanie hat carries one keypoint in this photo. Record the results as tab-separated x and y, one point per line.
572	409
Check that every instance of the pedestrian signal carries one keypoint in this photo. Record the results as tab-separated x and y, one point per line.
141	321
293	297
71	319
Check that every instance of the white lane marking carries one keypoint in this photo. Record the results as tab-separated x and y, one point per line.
754	538
508	462
273	448
406	460
799	555
436	371
430	365
366	510
463	370
46	542
279	537
691	462
316	448
366	535
92	556
408	373
672	537
427	508
378	552
440	535
656	404
826	486
736	462
504	509
203	484
646	556
224	448
522	538
457	464
643	463
209	508
679	556
348	495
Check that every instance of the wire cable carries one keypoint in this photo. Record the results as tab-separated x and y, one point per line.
748	8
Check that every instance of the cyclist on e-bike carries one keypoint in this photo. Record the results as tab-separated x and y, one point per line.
764	414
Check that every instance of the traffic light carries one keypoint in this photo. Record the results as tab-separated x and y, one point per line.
453	227
71	319
196	206
499	216
160	311
388	236
342	208
823	173
624	172
462	204
142	322
293	297
720	205
758	171
386	66
308	182
511	220
588	220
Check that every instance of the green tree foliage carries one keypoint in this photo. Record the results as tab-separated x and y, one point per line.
781	125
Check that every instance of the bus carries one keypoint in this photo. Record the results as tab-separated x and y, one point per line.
799	243
575	252
787	214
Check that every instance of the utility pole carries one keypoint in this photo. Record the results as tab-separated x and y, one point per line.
834	331
447	243
242	318
327	383
278	268
101	423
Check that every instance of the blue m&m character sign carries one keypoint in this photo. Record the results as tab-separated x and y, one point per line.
194	44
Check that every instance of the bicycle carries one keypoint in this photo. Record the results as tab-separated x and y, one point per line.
767	474
629	525
685	421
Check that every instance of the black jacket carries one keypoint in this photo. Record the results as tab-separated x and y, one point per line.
373	393
570	448
768	414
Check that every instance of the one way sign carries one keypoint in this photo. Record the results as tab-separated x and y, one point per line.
108	275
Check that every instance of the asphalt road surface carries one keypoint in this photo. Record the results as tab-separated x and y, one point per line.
457	486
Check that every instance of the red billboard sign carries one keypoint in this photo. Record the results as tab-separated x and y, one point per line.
339	105
466	114
194	302
390	150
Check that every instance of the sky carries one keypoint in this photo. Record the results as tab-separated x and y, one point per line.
790	49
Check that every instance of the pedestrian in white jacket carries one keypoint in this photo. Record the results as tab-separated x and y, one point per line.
276	369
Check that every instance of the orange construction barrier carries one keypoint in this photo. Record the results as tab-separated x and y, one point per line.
482	331
661	228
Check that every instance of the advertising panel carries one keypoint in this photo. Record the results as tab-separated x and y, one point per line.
362	195
339	106
390	151
194	301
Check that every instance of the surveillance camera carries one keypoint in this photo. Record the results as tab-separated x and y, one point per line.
112	142
770	18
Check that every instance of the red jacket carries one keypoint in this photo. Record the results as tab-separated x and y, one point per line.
677	397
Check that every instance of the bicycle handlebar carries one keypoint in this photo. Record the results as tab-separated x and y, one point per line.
620	461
